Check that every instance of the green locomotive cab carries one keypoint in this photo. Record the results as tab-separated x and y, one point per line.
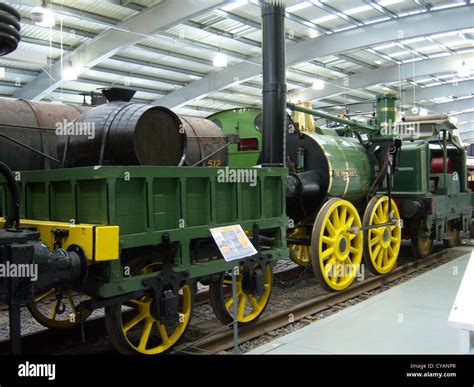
430	185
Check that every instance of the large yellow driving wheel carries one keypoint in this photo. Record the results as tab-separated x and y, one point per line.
58	309
300	254
336	244
134	327
250	304
381	244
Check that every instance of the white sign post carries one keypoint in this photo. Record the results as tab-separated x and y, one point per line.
233	244
462	313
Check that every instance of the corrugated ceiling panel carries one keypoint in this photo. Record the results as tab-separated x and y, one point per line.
127	81
145	70
143	55
7	91
109	9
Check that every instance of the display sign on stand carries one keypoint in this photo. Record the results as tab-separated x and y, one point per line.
233	244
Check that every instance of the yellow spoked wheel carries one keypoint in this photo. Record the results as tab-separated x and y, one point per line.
251	302
58	310
134	328
300	254
381	244
453	235
421	242
336	250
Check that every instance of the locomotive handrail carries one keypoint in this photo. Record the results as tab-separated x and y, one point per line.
317	113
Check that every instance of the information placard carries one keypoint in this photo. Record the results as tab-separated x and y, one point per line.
232	242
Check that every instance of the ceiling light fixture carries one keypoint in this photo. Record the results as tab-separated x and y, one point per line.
464	70
42	16
220	60
318	84
70	73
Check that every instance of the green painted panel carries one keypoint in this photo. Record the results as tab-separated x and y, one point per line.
131	208
91	199
198	202
412	170
166	205
250	201
62	201
226	203
37	201
272	197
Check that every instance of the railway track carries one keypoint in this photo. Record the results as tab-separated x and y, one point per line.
207	337
222	341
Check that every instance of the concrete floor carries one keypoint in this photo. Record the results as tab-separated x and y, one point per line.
411	318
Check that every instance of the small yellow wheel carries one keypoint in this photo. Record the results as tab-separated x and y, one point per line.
300	254
381	244
134	329
62	314
250	305
336	244
133	326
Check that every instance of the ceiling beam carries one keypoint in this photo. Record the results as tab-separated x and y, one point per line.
359	62
159	66
455	106
333	44
384	75
464	117
133	74
422	94
467	131
336	12
447	90
381	9
161	16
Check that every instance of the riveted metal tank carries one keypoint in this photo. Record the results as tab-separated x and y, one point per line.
33	124
339	167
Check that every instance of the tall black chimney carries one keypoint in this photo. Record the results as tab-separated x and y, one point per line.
274	82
